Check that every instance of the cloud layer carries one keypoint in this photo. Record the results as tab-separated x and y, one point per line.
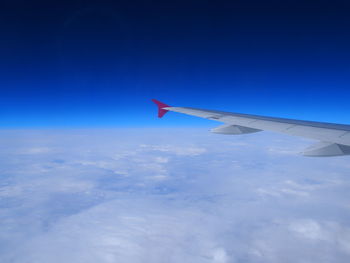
147	195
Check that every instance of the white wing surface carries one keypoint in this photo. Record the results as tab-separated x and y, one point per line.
334	139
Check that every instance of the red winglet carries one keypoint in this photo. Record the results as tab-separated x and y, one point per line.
161	105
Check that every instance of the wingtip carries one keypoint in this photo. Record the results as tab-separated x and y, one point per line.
161	106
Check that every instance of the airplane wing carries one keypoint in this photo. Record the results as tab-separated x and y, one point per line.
334	139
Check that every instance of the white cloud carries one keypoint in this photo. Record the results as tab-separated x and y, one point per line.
182	151
220	256
35	150
309	229
117	196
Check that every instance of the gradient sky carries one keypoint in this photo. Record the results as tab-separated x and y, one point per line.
98	63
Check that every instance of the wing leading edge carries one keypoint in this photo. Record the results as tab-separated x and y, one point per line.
334	139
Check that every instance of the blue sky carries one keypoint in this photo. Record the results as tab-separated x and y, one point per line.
98	63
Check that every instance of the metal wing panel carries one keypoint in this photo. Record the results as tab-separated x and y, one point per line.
322	134
337	133
238	120
271	125
346	138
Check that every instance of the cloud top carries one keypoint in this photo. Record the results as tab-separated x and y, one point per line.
179	196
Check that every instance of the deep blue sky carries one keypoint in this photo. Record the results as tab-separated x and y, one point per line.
98	63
